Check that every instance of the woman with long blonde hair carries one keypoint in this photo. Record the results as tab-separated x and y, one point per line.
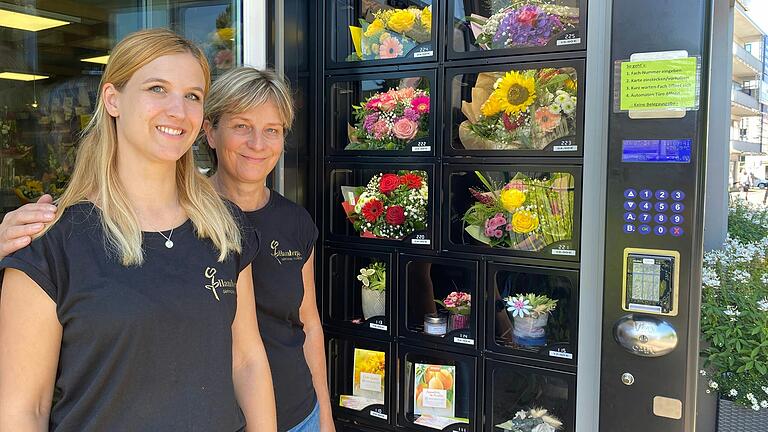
135	307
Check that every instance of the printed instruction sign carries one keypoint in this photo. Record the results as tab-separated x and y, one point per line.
664	84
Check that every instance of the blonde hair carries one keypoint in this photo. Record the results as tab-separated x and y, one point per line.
95	174
245	87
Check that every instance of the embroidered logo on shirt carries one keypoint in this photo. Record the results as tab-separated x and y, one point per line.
226	286
284	255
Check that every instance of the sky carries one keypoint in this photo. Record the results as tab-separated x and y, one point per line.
758	11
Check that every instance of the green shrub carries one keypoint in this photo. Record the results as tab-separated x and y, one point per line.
734	319
746	222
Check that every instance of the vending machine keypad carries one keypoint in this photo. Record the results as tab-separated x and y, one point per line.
654	211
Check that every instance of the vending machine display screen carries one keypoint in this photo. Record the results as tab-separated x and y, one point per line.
658	151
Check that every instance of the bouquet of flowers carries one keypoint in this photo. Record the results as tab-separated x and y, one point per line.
391	33
522	214
525	109
533	420
392	205
523	23
457	302
390	120
530	304
28	188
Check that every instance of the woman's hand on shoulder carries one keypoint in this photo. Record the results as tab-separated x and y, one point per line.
19	226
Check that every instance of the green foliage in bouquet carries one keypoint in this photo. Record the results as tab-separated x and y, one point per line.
523	213
374	277
734	322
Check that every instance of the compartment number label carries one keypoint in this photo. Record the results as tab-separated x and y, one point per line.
561	354
570	39
565	252
464	341
378	415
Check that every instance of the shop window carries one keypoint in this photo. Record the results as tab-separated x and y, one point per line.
49	78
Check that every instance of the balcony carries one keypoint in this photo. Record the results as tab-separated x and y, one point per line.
744	104
744	63
738	146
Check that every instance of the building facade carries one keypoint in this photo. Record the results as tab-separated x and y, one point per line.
749	97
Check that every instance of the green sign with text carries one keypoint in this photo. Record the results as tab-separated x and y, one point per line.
655	85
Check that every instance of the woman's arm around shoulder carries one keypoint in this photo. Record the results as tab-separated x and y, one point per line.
30	342
314	345
250	367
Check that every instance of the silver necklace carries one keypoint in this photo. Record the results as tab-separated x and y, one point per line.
168	242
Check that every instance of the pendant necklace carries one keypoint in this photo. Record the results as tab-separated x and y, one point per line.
168	242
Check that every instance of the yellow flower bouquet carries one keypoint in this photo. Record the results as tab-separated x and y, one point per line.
523	213
391	33
519	110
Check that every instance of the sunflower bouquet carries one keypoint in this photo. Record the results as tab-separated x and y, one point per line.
391	33
519	110
523	24
390	120
391	205
522	214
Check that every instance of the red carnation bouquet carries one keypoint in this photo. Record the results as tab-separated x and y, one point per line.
392	205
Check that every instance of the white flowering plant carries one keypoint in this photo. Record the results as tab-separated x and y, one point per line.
734	322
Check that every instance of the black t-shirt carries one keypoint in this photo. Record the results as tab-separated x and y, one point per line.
144	348
287	237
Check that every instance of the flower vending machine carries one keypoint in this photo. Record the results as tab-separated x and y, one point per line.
461	165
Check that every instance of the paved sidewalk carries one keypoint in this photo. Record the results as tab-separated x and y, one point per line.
754	196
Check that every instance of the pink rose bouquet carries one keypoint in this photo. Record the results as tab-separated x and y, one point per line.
390	120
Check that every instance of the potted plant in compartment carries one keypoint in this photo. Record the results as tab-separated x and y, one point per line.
391	206
459	306
519	110
533	420
523	23
390	120
374	290
734	326
530	313
391	33
522	214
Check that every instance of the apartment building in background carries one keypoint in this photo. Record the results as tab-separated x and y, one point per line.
749	96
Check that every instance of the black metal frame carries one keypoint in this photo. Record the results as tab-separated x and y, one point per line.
406	390
562	353
377	328
452	54
374	415
431	140
413	239
513	64
511	166
467	341
331	24
492	364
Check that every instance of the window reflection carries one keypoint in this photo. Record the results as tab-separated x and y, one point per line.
51	59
